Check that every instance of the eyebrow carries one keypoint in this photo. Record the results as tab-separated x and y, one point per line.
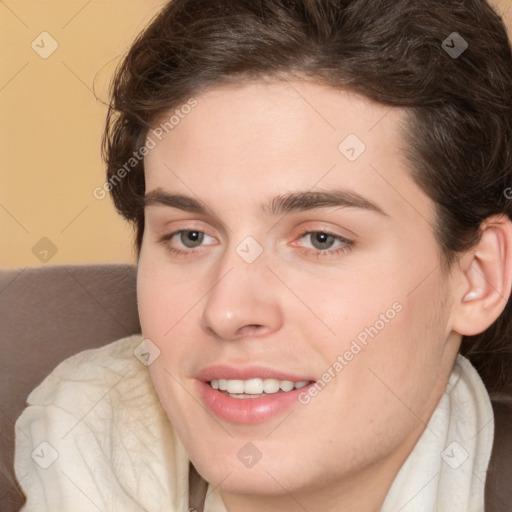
304	201
279	205
160	197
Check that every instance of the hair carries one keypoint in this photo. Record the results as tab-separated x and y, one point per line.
458	140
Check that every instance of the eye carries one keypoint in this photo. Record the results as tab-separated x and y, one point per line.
191	239
186	241
323	243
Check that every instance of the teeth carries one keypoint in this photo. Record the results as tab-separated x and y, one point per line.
255	386
235	386
286	385
271	386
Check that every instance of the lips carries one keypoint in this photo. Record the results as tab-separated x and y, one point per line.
249	395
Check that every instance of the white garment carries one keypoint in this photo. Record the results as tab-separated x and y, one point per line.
447	468
95	437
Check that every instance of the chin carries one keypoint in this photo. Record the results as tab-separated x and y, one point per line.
258	480
230	467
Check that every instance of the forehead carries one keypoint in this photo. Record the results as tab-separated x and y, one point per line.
250	142
271	113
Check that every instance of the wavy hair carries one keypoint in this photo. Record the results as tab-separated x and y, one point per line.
459	137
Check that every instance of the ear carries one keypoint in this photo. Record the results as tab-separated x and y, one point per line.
486	278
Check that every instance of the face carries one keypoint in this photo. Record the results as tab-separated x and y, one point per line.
289	260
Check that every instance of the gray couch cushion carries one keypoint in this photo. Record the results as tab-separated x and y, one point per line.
46	315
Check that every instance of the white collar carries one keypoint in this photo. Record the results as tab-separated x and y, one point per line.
446	470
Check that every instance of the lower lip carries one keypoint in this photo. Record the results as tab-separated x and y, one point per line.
248	410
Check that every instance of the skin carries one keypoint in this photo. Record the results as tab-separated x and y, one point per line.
297	308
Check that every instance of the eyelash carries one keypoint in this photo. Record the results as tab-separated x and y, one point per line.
342	249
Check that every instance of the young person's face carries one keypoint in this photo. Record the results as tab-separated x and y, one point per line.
242	291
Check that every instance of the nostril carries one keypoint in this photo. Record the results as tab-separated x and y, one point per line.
249	330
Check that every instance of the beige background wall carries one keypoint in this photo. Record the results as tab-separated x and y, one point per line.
51	125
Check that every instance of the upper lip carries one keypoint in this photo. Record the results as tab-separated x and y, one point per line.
248	372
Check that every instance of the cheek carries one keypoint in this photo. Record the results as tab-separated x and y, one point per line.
387	341
350	307
165	311
163	299
169	310
400	364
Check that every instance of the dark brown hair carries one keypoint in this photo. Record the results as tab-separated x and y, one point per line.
459	135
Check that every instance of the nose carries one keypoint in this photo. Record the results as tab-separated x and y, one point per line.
242	302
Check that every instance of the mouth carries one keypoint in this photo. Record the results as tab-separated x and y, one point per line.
255	387
250	395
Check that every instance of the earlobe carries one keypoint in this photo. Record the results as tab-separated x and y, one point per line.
487	278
